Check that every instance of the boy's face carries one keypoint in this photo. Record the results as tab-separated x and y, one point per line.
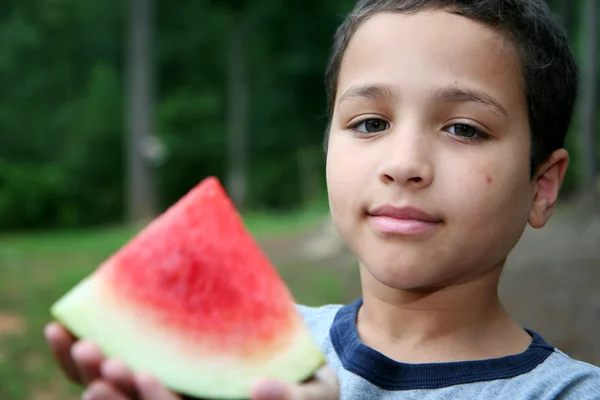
431	114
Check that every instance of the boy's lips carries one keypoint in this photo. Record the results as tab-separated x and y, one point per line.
405	221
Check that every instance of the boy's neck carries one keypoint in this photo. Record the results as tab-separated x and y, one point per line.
454	323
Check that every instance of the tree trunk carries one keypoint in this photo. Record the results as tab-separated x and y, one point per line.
141	195
589	96
237	112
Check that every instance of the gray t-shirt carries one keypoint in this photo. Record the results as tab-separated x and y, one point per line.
541	372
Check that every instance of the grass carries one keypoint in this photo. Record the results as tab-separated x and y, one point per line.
36	269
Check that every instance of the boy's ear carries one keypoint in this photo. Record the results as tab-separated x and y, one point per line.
548	181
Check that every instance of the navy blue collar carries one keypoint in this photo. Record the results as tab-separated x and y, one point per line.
388	374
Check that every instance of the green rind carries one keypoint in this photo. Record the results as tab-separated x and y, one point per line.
90	312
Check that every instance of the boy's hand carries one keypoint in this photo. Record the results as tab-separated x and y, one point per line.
107	379
83	363
323	386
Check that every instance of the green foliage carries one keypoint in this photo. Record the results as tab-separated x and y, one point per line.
63	123
94	154
192	132
28	195
60	113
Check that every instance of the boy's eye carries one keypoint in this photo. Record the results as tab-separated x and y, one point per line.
371	125
465	131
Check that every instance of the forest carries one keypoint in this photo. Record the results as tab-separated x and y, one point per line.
110	111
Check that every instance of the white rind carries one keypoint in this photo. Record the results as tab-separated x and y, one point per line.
90	312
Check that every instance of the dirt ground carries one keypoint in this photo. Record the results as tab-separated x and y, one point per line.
551	282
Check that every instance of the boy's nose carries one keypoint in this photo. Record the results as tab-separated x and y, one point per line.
407	162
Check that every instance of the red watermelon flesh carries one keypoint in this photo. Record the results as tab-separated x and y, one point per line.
193	300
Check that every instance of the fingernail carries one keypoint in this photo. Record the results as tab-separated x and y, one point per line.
144	379
50	331
76	350
112	367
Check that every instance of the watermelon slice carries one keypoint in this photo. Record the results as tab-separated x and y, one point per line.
194	301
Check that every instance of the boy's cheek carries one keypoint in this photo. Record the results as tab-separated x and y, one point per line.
497	199
345	167
474	195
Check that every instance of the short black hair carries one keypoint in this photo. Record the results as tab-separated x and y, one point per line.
549	68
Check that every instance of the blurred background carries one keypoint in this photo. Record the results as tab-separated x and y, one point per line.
110	111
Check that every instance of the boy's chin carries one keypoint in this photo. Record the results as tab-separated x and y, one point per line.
400	277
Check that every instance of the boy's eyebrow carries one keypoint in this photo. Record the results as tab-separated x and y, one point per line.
450	94
457	95
369	91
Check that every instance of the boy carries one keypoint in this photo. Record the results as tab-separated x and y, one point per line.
447	122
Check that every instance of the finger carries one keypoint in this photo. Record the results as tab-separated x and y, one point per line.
100	390
121	377
88	358
324	386
270	390
61	342
151	389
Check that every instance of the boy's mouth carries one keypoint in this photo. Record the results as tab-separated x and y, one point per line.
405	221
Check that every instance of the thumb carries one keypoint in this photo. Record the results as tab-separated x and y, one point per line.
323	386
270	390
